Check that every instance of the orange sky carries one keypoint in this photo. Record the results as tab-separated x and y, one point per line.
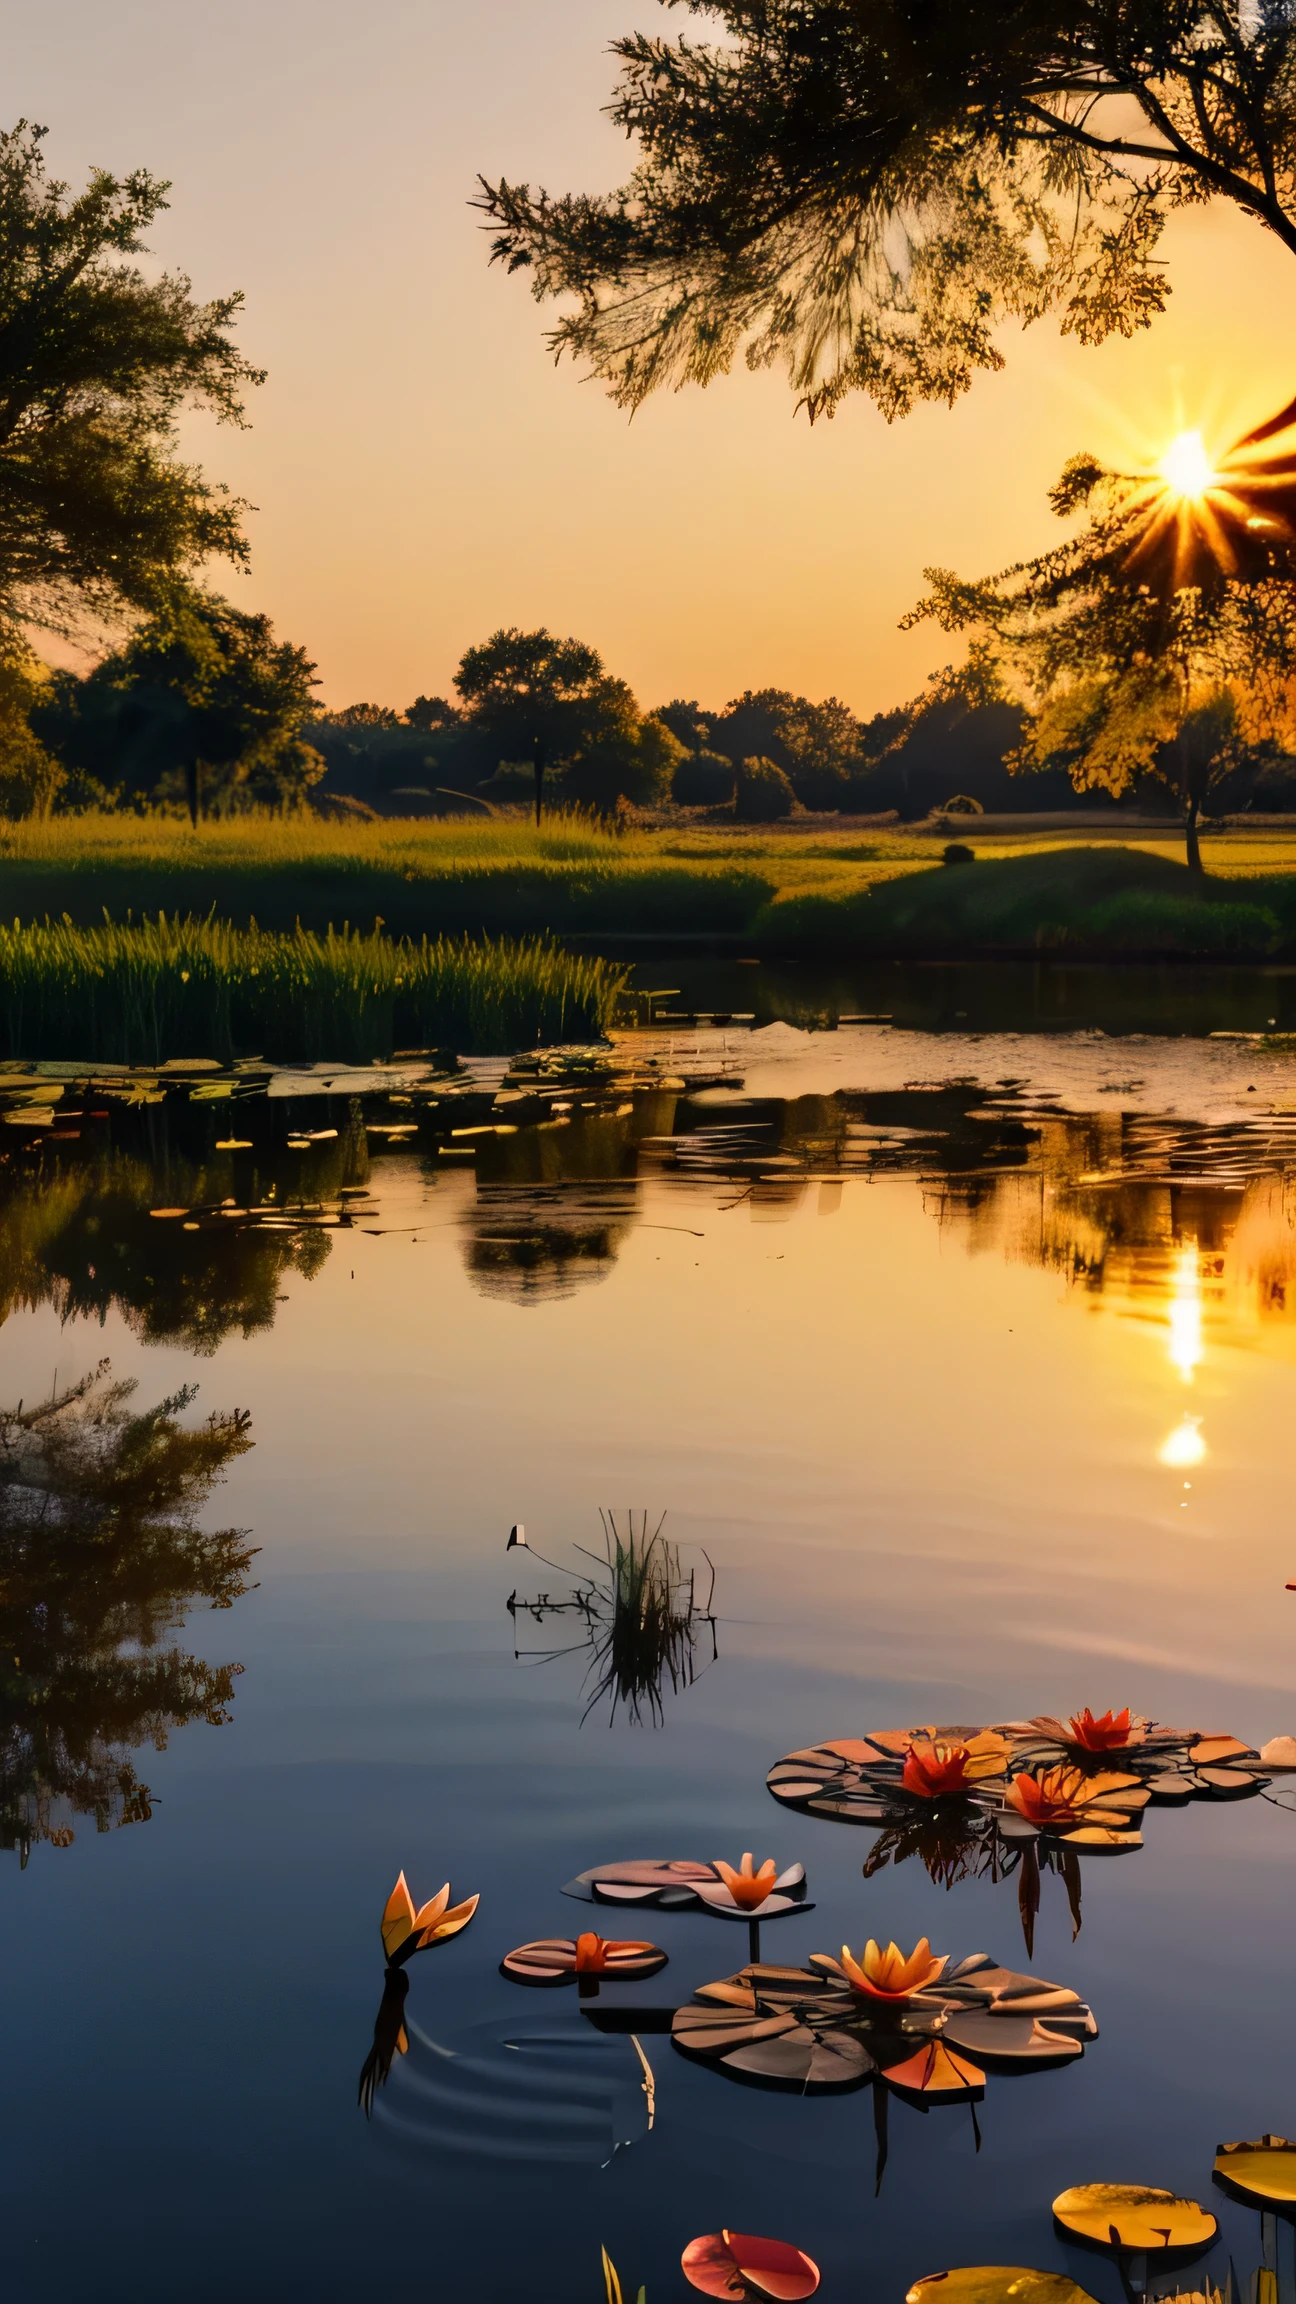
422	471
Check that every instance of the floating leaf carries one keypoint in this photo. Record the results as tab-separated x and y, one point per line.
1134	2216
564	1959
1263	2172
996	2284
736	2264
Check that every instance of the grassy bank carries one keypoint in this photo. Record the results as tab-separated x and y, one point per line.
843	893
142	994
1102	902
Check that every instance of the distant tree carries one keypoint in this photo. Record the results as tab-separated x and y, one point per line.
430	713
30	777
762	793
688	723
200	701
703	780
816	745
537	698
96	364
358	716
1128	670
866	192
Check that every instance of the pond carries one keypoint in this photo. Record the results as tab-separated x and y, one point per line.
961	1365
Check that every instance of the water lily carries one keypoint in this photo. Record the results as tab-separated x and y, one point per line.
890	1975
748	1889
1107	1733
1062	1798
405	1931
557	1959
936	1767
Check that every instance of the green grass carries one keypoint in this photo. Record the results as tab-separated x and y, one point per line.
1102	901
788	890
160	989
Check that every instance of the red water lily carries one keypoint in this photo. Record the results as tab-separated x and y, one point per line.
1105	1734
937	1767
738	2264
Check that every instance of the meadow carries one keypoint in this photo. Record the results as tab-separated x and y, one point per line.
153	990
791	890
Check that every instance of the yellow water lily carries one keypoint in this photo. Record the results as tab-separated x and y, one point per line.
405	1931
938	1766
890	1975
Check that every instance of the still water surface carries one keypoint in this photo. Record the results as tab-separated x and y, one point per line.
966	1360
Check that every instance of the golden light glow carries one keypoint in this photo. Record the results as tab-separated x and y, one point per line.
1185	1445
1186	1312
1186	468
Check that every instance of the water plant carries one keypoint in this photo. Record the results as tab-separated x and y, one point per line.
586	1960
141	992
640	1614
741	2264
405	1931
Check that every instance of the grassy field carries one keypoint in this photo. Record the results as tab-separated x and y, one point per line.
784	890
165	989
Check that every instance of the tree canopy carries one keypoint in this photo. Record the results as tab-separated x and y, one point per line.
1127	670
551	702
865	189
201	701
96	364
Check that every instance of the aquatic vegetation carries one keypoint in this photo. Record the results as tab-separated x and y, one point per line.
1078	1807
996	2284
140	992
814	2029
101	1557
1106	1733
678	1884
405	1931
641	1618
1262	2173
612	2283
890	1975
584	1960
1134	2217
748	1891
738	2264
937	1767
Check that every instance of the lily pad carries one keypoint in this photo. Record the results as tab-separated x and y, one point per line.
582	1959
996	2284
737	2264
1134	2216
1263	2173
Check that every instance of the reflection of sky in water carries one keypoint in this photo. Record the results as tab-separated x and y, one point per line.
920	1426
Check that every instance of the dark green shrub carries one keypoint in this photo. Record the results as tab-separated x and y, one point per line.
703	780
762	793
957	853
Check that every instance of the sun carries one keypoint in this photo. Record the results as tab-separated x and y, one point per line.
1186	468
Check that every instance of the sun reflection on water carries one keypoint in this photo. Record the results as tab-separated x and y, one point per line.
1186	1311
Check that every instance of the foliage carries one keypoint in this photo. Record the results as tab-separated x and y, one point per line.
432	712
703	780
816	745
201	701
551	702
97	362
142	993
866	193
762	793
688	722
1130	677
30	777
100	1559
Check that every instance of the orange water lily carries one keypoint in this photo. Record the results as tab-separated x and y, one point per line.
1062	1798
746	1886
1107	1733
937	1766
405	1931
890	1975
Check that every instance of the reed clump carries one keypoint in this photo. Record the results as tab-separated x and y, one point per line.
143	992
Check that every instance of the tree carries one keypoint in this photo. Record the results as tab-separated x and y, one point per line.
537	698
687	722
865	192
1129	669
97	362
431	714
817	746
100	1558
201	699
30	777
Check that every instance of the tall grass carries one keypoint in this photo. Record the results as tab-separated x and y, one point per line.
143	992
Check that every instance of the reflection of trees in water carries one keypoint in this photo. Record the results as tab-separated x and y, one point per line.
100	1560
1115	1202
554	1203
79	1234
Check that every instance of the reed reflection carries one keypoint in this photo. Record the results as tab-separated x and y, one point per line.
639	1620
101	1560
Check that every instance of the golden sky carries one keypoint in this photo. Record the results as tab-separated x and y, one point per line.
421	470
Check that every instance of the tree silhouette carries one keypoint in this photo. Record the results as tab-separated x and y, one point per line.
867	192
97	362
536	696
100	1560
